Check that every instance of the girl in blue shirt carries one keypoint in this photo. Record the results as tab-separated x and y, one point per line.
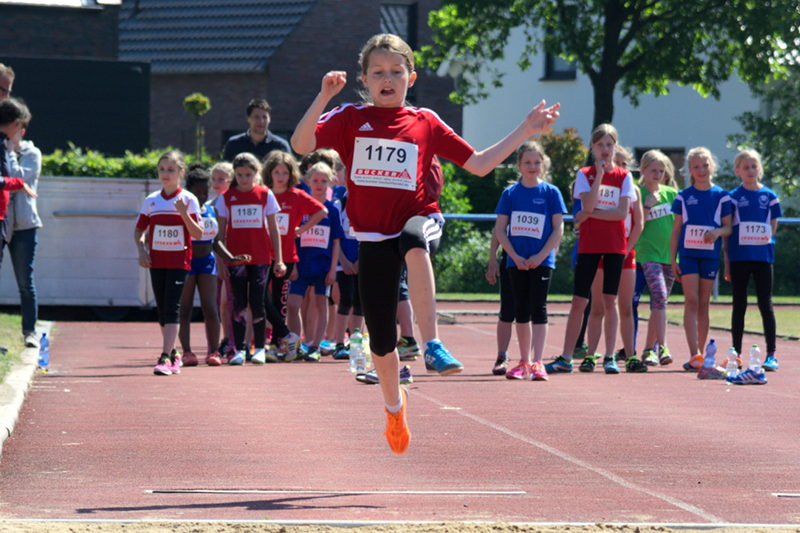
702	215
750	250
529	228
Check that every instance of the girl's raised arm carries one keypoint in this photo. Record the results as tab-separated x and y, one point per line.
539	119
304	137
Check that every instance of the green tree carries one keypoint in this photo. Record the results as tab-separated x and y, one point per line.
197	105
639	45
775	131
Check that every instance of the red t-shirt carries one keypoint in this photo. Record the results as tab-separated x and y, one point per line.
246	229
604	236
169	242
388	153
295	203
6	186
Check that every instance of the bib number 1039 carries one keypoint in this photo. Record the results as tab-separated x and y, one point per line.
385	163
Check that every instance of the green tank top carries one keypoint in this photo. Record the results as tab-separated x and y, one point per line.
653	245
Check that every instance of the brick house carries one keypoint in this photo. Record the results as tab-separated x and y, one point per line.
233	51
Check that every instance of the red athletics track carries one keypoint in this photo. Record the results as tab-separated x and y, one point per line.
100	432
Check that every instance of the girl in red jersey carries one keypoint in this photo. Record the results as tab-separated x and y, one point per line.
281	174
605	192
248	225
388	147
167	222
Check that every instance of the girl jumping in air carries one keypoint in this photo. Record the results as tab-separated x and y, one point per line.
387	147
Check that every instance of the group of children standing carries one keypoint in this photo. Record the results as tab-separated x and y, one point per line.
664	234
390	213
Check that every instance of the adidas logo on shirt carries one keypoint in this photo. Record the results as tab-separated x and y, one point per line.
365	127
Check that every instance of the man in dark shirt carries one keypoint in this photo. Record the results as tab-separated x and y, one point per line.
257	140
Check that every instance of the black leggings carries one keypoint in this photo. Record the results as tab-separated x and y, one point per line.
379	265
586	268
530	293
167	288
248	284
740	278
348	294
506	291
279	289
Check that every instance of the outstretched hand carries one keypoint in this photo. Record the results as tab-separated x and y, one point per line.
541	118
333	82
30	192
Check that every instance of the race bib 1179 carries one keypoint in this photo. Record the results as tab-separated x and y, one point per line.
384	163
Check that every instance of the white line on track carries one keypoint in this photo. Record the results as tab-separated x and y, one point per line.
357	523
786	495
582	464
346	492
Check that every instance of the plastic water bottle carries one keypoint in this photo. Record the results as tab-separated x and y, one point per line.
361	357
44	352
367	352
732	367
755	359
711	355
356	350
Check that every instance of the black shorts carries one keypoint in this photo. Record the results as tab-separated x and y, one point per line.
379	266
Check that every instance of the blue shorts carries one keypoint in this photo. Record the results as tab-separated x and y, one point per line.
707	268
300	285
204	265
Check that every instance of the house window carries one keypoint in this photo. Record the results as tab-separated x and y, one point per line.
401	20
556	68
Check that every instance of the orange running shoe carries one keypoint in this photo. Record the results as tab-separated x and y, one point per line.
397	433
694	364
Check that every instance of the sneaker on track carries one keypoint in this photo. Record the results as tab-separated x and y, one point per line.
189	359
259	356
163	366
407	351
710	373
213	359
397	433
176	362
748	377
289	346
439	361
621	355
522	371
326	347
633	364
560	364
238	358
664	357
610	365
313	355
500	366
539	372
341	352
771	364
649	357
405	375
588	363
694	364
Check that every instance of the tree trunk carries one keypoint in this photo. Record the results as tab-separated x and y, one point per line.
603	100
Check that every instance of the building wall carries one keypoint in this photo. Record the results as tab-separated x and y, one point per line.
681	119
292	78
171	125
60	31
